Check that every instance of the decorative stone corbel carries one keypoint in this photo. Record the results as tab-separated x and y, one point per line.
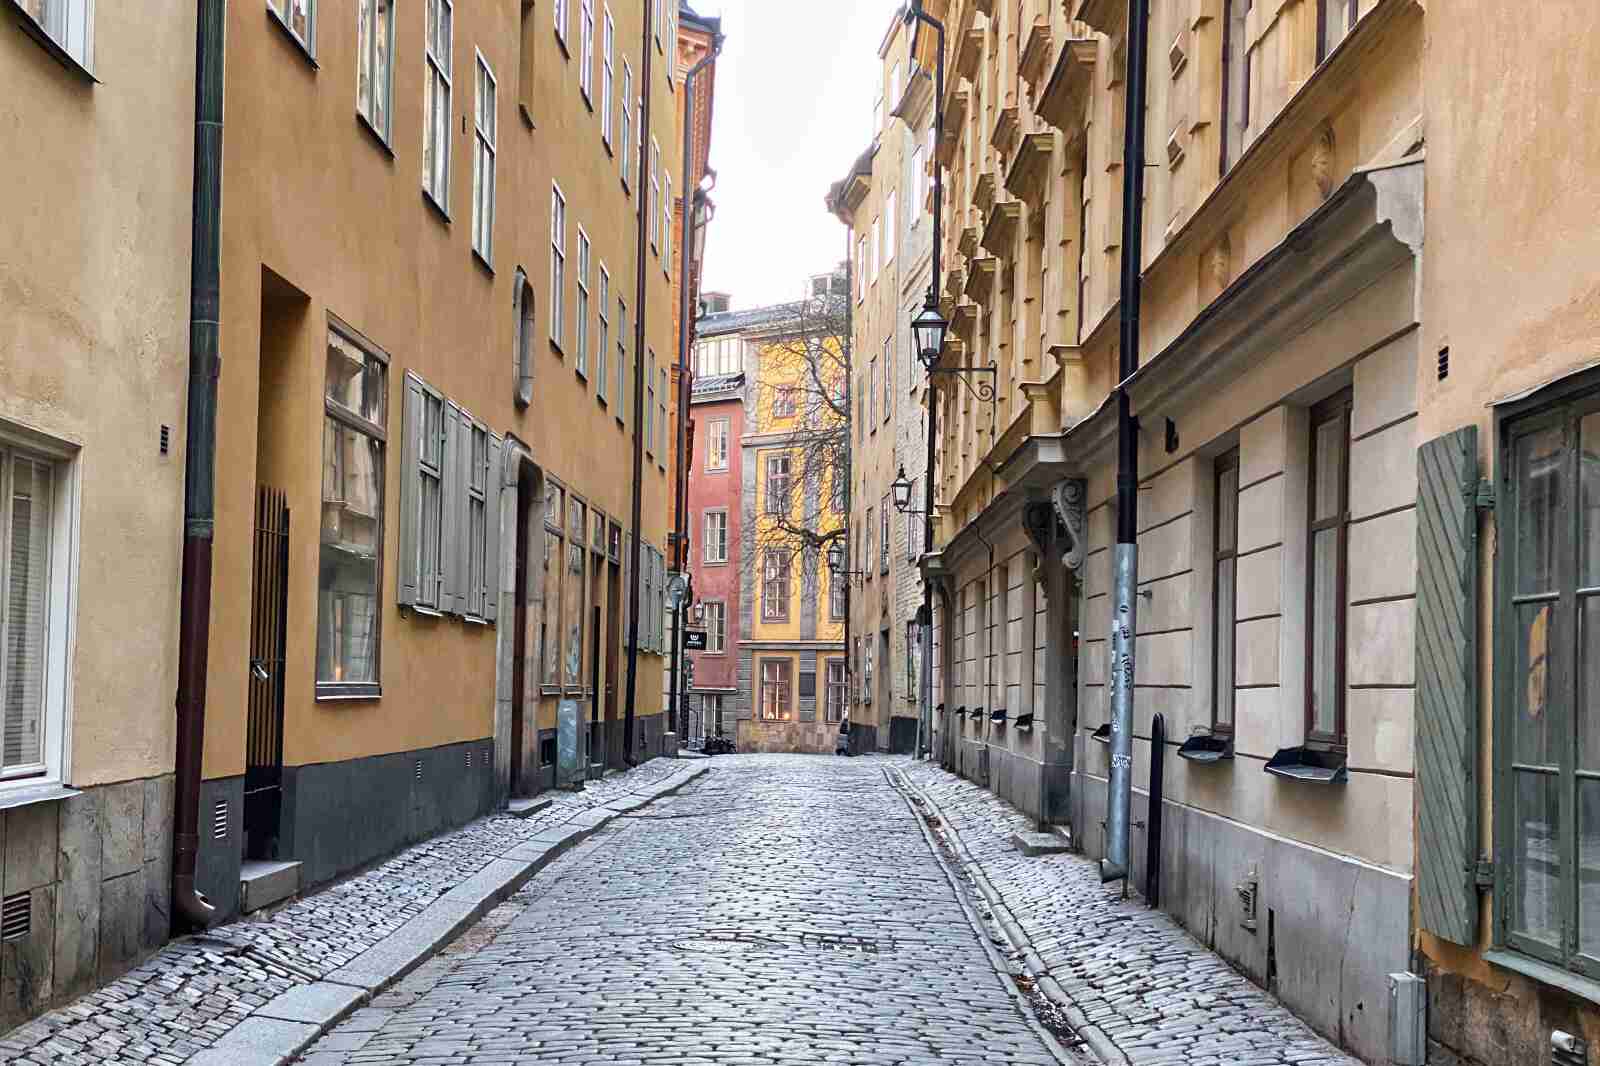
1069	498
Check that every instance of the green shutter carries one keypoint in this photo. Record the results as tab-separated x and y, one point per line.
494	484
1447	687
411	423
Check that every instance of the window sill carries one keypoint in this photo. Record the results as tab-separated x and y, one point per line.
444	216
581	374
587	102
25	795
294	37
424	611
348	693
49	44
716	562
1577	985
561	43
607	146
1311	765
1207	748
555	346
379	139
483	264
527	116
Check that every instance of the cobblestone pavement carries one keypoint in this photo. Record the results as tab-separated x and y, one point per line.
186	996
782	910
1158	993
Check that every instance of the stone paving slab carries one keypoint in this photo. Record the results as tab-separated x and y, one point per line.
201	999
1137	987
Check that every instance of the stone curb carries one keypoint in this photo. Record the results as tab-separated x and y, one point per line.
1104	1049
999	964
286	1025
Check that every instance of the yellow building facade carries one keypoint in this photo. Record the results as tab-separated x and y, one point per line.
427	414
794	464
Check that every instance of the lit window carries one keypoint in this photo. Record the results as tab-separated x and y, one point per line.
775	694
436	104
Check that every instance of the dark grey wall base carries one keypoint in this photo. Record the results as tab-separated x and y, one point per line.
1042	791
863	738
217	870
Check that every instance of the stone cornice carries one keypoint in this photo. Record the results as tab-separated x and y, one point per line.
955	117
1036	52
1000	232
981	280
969	50
1006	128
1107	16
983	191
1025	179
1066	94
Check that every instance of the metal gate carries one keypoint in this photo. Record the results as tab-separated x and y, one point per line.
269	608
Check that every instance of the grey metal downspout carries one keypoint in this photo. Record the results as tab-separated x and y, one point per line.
1125	561
190	908
681	473
628	755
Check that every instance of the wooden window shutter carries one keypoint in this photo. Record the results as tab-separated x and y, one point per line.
1447	687
410	562
494	483
453	519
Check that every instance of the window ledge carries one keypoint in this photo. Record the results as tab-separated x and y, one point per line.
348	693
1577	985
555	346
1311	765
444	216
1207	748
50	44
25	795
582	375
305	50
484	264
424	611
607	146
527	116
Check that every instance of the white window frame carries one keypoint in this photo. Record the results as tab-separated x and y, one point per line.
559	11
919	183
608	82
70	28
625	142
655	195
477	580
586	51
661	420
282	11
718	431
60	630
580	362
875	247
891	202
708	541
716	622
650	405
485	124
558	263
367	62
622	360
835	711
430	581
666	224
438	72
602	342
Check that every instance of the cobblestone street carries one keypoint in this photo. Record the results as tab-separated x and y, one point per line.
780	910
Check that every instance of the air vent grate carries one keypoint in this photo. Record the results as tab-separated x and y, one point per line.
166	439
419	769
219	820
16	917
1444	363
469	758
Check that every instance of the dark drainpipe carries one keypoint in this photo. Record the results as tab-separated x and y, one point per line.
191	910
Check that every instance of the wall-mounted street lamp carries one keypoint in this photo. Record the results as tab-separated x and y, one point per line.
836	562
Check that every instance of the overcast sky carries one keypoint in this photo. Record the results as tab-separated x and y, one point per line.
795	86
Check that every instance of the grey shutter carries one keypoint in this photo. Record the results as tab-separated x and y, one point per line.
627	576
452	493
1447	689
493	485
412	420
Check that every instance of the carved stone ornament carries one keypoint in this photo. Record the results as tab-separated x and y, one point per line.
1069	498
1322	161
1218	263
1037	519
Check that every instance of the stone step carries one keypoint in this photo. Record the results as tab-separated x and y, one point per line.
261	884
527	807
1040	843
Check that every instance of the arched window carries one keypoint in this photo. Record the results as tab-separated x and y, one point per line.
522	301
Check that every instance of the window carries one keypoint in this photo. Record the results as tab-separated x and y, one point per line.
717	444
661	419
666	224
622	359
888	376
919	183
783	401
894	87
838	483
1236	61
875	249
1224	587
778	484
608	77
649	411
877	113
655	193
913	529
775	586
602	343
883	535
299	17
866	670
838	587
775	694
572	593
484	127
552	563
861	268
866	557
426	428
586	50
625	113
1085	186
716	539
375	64
527	45
356	413
558	264
1329	545
1547	664
33	497
890	228
476	437
716	627
559	9
580	361
712	703
525	335
70	24
436	105
1335	20
837	689
872	395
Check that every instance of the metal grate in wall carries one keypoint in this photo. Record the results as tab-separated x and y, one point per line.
469	758
419	769
219	820
16	917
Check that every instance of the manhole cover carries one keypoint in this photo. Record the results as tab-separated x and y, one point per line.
725	941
